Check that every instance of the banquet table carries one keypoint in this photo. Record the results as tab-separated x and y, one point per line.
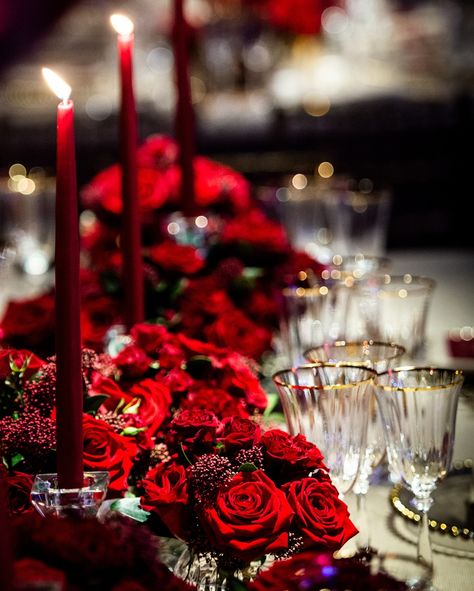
452	306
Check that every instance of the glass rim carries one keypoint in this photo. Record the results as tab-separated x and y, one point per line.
457	373
367	342
421	283
279	382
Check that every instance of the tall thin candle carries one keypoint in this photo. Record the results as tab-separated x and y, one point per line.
184	116
6	552
131	230
69	398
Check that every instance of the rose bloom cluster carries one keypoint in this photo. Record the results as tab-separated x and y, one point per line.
87	555
238	493
130	401
223	289
312	570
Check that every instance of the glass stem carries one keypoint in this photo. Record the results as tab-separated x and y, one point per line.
363	539
424	543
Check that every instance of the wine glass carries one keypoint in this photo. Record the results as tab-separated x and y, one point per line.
327	403
380	357
418	407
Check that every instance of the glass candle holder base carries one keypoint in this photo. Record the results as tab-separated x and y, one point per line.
192	230
48	499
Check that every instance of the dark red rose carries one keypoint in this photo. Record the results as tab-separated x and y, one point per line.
98	314
132	361
157	151
28	322
155	402
31	573
177	380
240	380
170	356
250	518
166	493
21	359
291	455
150	337
104	449
18	487
195	430
239	433
315	570
109	387
179	258
236	331
321	517
221	402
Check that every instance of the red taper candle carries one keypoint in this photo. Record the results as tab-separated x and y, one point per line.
69	396
131	227
184	114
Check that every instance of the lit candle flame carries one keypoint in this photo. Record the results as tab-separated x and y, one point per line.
60	88
122	24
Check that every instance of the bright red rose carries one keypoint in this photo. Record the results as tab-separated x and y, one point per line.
250	518
30	573
158	151
104	449
256	229
291	455
216	183
194	430
177	380
236	331
321	518
132	361
166	493
155	402
179	258
221	402
28	322
239	433
18	486
20	358
108	387
196	347
302	17
170	356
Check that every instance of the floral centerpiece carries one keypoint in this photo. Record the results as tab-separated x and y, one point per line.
224	291
66	554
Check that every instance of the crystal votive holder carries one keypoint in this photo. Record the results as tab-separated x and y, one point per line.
48	499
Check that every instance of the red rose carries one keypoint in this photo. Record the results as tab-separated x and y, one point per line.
240	380
221	402
102	385
150	337
179	258
28	322
194	430
302	17
236	331
250	518
170	355
176	379
320	515
21	359
132	361
239	433
197	347
216	183
30	573
166	493
98	314
104	449
18	486
158	151
256	229
291	455
155	402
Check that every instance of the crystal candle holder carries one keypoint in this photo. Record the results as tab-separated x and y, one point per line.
48	499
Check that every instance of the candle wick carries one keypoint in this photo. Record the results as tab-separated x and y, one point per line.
64	102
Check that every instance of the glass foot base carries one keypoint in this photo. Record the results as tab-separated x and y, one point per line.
49	499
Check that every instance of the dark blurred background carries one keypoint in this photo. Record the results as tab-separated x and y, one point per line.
380	89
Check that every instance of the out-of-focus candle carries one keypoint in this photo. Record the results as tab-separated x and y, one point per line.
131	227
6	552
69	397
184	114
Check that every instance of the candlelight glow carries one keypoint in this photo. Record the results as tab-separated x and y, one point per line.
122	24
60	88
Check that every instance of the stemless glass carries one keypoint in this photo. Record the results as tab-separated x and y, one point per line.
418	407
380	357
327	403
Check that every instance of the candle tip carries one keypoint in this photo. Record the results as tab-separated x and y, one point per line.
122	24
60	88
